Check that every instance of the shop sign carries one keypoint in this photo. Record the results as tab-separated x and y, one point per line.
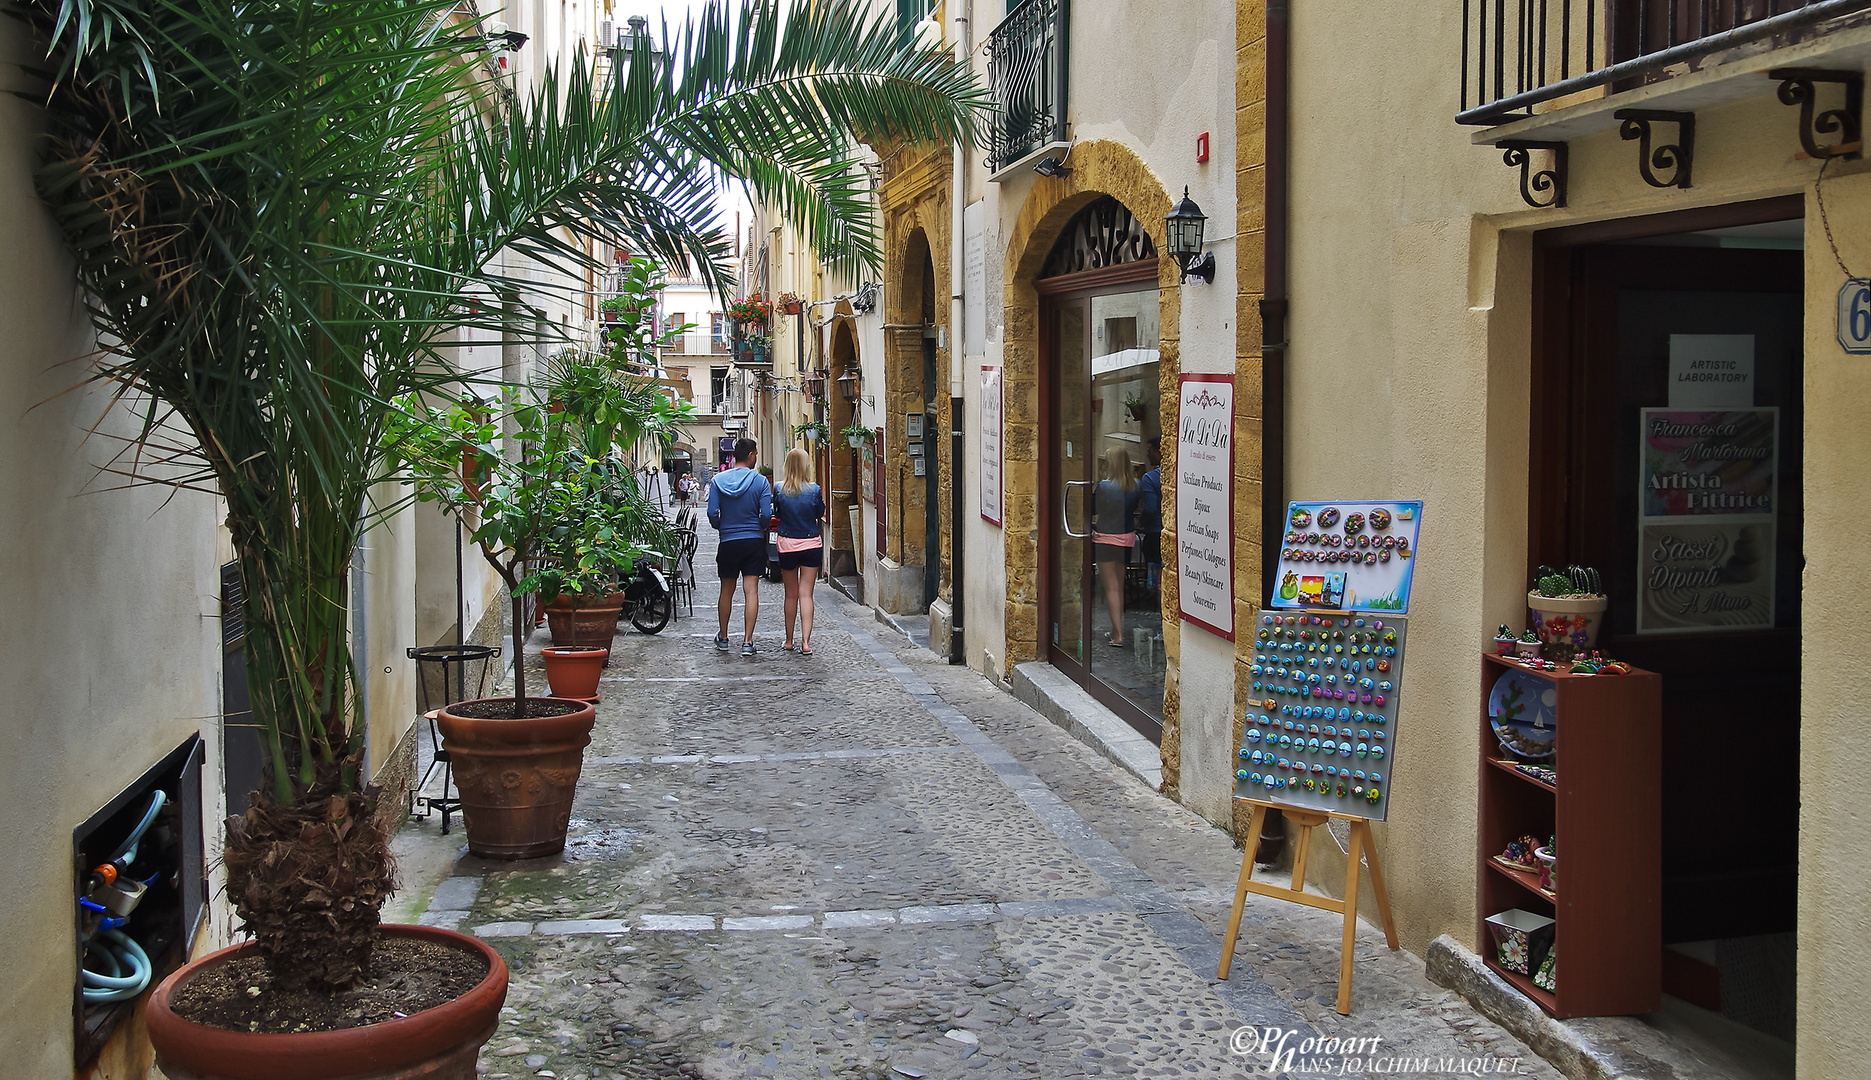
1709	463
1711	371
1205	502
1708	505
991	427
1702	576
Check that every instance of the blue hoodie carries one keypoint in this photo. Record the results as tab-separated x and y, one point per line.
739	503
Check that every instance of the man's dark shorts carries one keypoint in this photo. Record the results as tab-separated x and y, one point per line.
741	558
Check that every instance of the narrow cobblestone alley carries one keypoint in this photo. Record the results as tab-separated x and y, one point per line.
867	863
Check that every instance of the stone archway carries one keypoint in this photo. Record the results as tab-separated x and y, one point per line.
1099	168
915	383
842	482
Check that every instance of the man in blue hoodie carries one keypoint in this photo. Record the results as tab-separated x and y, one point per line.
740	502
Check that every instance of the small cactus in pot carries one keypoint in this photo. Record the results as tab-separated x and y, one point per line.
1565	609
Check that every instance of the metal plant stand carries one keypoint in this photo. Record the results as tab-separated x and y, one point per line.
442	679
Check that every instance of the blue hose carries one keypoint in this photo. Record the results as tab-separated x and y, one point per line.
129	967
128	851
126	954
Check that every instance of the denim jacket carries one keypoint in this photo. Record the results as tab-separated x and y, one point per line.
799	514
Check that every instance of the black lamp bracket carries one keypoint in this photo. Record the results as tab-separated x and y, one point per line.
1200	266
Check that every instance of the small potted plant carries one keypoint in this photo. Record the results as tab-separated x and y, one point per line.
857	435
790	303
813	430
1504	641
1135	404
1565	610
1529	646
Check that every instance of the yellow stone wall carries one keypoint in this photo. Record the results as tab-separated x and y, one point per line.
914	193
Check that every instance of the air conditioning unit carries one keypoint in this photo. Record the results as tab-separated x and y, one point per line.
607	35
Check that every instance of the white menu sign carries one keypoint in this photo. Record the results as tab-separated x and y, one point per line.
1205	502
990	443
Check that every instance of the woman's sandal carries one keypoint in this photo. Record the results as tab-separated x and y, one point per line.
788	647
805	650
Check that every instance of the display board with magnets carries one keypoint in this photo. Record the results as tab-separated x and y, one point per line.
1348	555
1319	729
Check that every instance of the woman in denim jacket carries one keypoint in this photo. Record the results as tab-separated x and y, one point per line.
799	507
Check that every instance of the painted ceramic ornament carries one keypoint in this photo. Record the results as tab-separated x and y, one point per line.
1354	524
1380	518
1301	519
1328	517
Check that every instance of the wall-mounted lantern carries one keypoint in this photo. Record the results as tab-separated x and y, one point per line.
1184	224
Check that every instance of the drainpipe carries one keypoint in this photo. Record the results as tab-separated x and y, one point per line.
1273	304
958	176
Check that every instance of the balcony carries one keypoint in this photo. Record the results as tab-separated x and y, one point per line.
696	345
1026	70
1524	58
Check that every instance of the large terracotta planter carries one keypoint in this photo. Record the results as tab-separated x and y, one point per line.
586	623
437	1044
573	672
517	777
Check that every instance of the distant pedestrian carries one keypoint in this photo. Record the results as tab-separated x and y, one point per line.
799	506
739	503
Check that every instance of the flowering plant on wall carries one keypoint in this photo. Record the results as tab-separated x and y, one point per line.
752	308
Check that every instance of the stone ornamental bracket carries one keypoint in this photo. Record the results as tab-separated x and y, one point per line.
1796	88
1542	189
1673	159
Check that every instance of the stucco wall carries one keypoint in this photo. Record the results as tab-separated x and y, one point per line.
112	659
1835	760
1410	330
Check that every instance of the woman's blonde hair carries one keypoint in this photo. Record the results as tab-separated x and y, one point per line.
1117	468
798	471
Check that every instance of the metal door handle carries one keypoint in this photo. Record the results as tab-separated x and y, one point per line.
1065	508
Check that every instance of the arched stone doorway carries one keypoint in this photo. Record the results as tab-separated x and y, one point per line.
1074	224
915	427
842	480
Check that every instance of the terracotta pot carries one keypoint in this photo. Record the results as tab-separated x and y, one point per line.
584	622
517	777
437	1044
573	672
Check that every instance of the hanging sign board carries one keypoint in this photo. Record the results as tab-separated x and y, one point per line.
1205	503
1707	532
1348	555
991	427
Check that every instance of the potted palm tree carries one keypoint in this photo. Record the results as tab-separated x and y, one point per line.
278	212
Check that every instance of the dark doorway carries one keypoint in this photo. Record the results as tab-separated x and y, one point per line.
1704	584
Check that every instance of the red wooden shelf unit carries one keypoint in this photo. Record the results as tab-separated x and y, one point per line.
1606	815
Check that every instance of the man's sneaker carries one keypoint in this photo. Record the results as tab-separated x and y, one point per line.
747	648
721	643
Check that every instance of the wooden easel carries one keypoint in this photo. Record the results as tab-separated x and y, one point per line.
1361	844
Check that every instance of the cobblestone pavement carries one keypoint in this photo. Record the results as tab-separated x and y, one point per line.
869	864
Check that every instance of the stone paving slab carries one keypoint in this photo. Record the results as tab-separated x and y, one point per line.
896	870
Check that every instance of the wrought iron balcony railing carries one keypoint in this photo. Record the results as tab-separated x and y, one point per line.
1026	68
1519	54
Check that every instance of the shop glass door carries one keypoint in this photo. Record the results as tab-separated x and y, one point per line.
1106	621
